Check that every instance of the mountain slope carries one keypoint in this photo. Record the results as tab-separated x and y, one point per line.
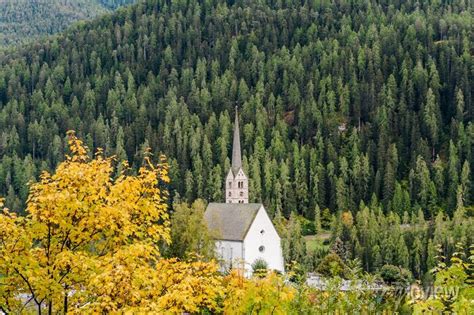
114	4
341	103
26	20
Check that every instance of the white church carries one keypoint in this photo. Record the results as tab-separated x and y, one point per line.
245	232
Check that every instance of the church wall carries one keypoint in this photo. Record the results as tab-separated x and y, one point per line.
269	239
229	251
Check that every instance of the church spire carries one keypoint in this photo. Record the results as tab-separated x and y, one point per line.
236	154
237	184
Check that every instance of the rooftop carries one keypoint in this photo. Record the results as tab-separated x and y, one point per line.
231	221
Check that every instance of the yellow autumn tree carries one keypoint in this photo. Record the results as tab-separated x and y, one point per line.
89	244
259	295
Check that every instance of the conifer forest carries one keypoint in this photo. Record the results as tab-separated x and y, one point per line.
356	128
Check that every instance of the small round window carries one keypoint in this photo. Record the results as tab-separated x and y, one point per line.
262	232
261	249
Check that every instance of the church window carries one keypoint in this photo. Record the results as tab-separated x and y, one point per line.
261	249
230	184
262	232
241	194
241	184
230	194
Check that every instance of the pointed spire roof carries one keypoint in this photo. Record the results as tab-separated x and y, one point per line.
236	154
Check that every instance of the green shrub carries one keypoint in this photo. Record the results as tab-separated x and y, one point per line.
259	267
331	266
395	275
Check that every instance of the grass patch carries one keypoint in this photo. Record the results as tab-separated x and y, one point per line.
317	242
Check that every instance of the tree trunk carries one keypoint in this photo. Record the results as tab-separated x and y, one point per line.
65	303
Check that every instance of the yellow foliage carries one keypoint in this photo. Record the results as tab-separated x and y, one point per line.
267	295
126	284
89	244
453	290
347	219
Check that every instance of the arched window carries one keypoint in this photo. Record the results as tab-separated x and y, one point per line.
241	194
261	249
230	184
230	194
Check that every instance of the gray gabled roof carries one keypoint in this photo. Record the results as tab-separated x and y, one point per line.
231	221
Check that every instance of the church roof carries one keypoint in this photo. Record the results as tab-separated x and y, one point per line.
231	220
236	154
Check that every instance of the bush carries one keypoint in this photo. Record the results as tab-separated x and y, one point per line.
307	227
259	267
332	265
395	275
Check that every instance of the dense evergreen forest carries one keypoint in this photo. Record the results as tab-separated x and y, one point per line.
340	102
114	4
357	115
24	20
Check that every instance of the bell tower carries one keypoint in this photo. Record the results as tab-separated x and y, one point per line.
237	183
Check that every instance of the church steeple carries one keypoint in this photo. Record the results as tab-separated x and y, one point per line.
236	186
236	154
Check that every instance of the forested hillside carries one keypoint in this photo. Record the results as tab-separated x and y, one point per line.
357	131
24	20
341	102
113	4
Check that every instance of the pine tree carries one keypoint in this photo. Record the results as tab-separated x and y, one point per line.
423	181
215	189
317	220
189	185
397	204
465	183
459	106
431	114
417	258
453	176
293	243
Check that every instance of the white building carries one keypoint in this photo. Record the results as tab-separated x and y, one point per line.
245	232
